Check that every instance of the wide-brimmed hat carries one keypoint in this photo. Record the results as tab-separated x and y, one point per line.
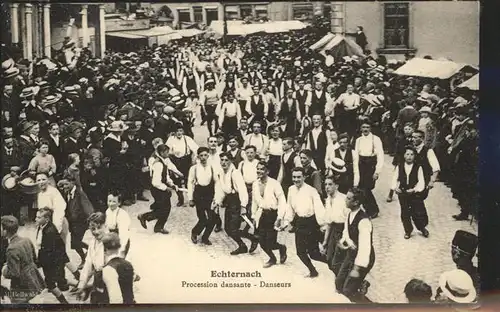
458	286
9	182
27	92
117	126
51	99
425	109
11	72
338	165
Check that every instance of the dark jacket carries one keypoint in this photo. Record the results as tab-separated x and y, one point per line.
53	250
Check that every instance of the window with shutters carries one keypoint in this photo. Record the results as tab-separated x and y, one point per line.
245	10
396	25
302	11
184	15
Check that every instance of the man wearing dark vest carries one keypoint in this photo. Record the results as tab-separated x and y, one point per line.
191	82
289	160
201	190
287	84
235	150
161	191
319	99
317	141
370	161
346	153
303	98
289	114
312	175
426	158
359	255
257	107
117	274
408	182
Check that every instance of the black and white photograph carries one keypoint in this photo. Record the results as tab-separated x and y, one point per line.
240	152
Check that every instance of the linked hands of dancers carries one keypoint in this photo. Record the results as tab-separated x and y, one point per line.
280	225
347	243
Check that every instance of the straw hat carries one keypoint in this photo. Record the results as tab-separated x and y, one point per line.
9	182
425	109
338	165
51	99
458	286
11	72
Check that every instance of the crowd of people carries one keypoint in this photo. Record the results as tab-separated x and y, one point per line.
294	143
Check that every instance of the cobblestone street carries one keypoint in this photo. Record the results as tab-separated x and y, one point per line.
164	261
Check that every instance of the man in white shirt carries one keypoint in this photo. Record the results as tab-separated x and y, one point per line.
349	103
426	158
305	203
248	170
161	191
229	115
409	183
336	215
231	192
257	139
359	257
201	190
268	206
370	161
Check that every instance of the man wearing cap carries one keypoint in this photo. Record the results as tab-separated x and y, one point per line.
463	250
370	160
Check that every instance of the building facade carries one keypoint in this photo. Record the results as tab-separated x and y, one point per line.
38	28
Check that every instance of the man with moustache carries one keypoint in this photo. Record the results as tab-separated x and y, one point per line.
268	209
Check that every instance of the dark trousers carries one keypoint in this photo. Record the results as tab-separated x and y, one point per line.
229	126
203	196
183	164
54	276
249	206
333	239
307	238
160	208
211	118
268	236
232	220
367	184
274	164
413	208
347	285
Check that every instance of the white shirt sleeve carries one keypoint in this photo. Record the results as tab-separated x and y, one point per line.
319	208
421	182
364	244
280	196
241	187
88	267
395	179
191	144
59	210
123	224
355	167
379	151
110	278
190	183
156	180
433	161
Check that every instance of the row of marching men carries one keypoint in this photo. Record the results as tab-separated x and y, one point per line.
263	184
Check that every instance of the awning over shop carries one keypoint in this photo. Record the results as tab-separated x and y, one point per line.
337	46
124	34
471	84
188	32
420	67
237	28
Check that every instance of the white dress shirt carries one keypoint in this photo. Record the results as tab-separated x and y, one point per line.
56	140
305	202
349	101
275	147
260	141
229	109
94	261
180	147
364	244
223	186
157	176
273	198
419	187
248	170
431	157
119	219
168	162
199	175
52	199
371	145
330	153
336	209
